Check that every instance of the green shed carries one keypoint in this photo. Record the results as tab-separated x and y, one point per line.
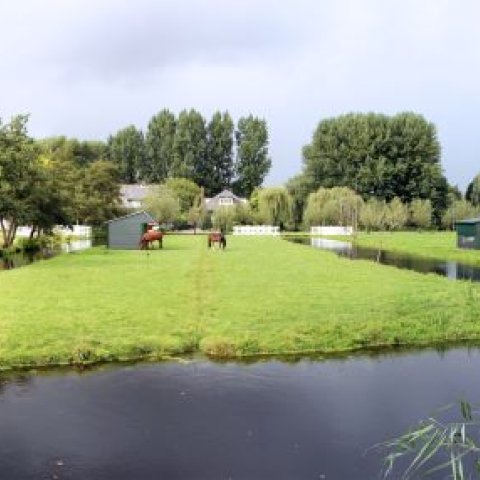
468	233
125	232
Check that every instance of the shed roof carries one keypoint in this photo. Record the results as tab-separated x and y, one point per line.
468	221
140	212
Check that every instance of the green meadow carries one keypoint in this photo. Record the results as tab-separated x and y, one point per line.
432	244
260	296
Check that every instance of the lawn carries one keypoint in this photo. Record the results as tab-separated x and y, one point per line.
260	296
432	244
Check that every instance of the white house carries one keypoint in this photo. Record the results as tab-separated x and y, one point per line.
133	195
224	199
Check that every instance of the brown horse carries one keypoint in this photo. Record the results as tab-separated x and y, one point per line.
150	237
217	238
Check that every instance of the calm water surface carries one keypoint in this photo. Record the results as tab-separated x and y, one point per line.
450	269
16	260
204	420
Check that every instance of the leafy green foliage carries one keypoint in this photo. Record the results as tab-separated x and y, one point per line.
80	153
458	210
473	191
190	148
253	162
159	147
186	190
333	206
163	204
299	188
223	219
218	170
379	156
197	213
274	205
372	215
396	214
19	174
98	193
420	213
127	150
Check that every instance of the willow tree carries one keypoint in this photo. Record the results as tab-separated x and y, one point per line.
275	205
333	206
420	213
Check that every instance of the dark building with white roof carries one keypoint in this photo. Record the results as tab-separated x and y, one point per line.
125	232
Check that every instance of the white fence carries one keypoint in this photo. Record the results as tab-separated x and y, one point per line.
256	230
78	231
331	230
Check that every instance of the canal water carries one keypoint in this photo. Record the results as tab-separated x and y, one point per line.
450	269
309	419
15	260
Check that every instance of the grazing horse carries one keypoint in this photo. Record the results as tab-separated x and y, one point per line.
150	237
217	238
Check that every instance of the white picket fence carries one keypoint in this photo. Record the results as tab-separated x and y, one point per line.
78	231
256	230
331	230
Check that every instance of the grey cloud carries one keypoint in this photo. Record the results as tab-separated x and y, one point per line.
124	41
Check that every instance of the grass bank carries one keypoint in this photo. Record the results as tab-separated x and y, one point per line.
261	296
442	245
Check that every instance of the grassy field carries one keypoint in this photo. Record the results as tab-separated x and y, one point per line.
442	245
260	296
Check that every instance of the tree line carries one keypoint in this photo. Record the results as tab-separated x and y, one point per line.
213	154
342	206
52	182
377	156
383	169
64	181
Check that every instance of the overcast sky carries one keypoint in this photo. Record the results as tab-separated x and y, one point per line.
86	68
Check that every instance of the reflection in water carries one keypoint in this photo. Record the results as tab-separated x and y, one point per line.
15	260
202	420
450	269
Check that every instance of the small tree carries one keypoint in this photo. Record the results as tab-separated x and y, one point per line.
334	206
244	214
98	193
421	213
275	205
163	204
197	212
223	219
396	214
186	190
458	210
372	215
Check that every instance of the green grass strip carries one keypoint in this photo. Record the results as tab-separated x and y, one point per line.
260	296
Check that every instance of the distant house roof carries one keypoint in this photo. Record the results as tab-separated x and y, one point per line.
140	212
133	195
223	199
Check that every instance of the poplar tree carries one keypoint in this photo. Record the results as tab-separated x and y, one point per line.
219	168
252	162
126	149
159	148
189	147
